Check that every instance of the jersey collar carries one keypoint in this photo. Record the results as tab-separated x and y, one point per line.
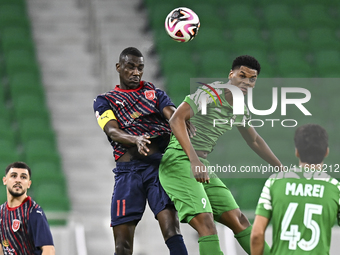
141	84
14	208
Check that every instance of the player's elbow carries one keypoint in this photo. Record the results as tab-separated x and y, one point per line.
257	236
174	120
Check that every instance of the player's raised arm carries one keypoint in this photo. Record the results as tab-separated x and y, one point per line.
1	251
179	128
257	144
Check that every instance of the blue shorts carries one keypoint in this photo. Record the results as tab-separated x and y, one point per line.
135	182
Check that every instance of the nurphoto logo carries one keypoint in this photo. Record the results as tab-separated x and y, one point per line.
238	97
238	103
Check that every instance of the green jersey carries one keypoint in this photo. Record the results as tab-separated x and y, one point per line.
303	207
218	119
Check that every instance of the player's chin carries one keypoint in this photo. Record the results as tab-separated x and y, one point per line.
17	193
134	84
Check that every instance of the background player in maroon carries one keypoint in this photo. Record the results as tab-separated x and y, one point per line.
24	228
134	117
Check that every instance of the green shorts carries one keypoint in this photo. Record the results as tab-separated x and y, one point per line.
189	196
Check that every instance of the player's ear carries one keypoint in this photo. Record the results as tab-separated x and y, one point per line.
4	180
118	67
297	153
29	184
327	152
230	74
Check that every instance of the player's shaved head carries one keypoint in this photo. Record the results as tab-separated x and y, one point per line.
248	61
311	141
130	51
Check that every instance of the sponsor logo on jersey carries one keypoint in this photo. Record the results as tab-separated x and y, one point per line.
16	225
150	94
135	115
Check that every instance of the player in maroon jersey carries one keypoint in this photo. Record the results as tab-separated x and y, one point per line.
23	225
134	116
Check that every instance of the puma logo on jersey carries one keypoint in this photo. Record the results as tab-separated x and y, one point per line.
40	212
121	103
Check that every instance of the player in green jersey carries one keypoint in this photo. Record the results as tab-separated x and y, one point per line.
302	203
204	198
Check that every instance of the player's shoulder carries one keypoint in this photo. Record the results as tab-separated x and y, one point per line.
149	85
210	91
3	206
104	96
324	177
298	173
32	204
210	88
36	210
281	176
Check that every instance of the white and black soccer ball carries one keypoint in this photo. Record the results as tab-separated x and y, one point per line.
182	24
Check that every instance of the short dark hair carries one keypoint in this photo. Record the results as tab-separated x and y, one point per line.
19	164
248	61
130	51
311	141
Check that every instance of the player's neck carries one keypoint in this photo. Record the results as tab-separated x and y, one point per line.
15	201
123	86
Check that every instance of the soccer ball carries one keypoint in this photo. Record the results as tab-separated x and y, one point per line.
182	24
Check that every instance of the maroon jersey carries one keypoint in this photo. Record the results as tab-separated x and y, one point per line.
24	229
138	112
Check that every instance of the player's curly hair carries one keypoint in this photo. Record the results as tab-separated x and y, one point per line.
311	141
130	51
248	61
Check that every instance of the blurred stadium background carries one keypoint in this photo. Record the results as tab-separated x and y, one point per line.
56	56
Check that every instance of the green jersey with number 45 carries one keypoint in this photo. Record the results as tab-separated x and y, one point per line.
303	207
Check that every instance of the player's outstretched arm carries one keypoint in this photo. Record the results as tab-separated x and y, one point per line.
1	251
257	235
48	250
257	144
179	128
116	134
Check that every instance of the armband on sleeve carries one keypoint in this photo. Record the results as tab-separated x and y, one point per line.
105	118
